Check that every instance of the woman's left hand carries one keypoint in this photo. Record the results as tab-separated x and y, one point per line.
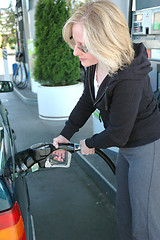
84	149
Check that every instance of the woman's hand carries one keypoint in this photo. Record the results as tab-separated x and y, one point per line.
59	155
84	149
59	139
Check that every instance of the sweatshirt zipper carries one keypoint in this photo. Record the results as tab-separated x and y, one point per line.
100	97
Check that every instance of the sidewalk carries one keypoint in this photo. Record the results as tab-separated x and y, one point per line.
26	95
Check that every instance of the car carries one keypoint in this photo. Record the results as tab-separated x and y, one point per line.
15	219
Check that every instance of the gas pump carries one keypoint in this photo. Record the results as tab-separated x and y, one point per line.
19	31
146	29
20	69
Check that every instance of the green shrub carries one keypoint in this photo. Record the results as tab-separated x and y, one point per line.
55	64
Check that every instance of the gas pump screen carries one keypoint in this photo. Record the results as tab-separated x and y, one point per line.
138	17
156	24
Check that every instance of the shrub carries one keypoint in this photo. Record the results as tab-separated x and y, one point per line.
55	64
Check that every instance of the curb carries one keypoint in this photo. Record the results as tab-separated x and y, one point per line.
25	99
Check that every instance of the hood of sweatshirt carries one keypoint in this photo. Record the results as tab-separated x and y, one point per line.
139	67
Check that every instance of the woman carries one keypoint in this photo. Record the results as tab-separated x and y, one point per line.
118	85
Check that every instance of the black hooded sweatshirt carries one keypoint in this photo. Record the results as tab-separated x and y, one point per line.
126	103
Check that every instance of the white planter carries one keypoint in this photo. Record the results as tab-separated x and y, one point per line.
56	103
34	85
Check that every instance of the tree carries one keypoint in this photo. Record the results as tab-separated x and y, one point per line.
7	27
55	64
75	4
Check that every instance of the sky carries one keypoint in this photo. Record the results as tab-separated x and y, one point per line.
5	3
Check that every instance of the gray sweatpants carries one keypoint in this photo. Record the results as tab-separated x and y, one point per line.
138	192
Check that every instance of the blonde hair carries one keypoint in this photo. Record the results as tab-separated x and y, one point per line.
105	33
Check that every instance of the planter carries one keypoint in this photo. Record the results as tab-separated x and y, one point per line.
34	85
56	103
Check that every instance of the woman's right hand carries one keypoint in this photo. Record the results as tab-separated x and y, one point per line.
59	139
59	155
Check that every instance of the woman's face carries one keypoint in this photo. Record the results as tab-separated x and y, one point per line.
87	59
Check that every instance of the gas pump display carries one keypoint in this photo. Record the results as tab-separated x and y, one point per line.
156	23
137	28
146	29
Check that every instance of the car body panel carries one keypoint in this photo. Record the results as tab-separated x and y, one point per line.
5	197
13	186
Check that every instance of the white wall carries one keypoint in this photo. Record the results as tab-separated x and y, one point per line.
31	19
123	5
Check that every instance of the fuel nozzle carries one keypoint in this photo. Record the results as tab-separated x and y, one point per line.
38	153
23	161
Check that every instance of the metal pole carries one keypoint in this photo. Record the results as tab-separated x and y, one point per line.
5	61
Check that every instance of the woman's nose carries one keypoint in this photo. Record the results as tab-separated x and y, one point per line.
76	51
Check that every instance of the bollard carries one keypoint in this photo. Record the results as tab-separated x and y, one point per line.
5	61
